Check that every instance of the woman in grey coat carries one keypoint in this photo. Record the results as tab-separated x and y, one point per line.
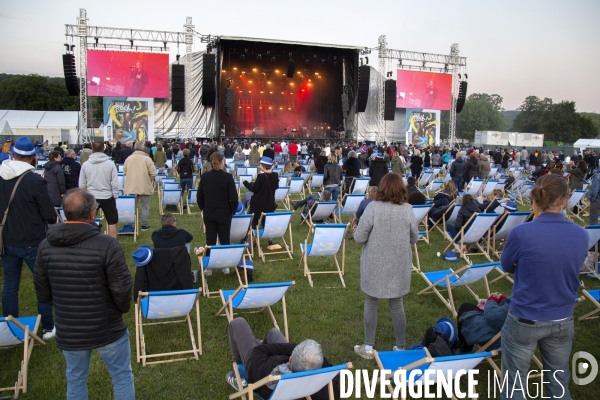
386	260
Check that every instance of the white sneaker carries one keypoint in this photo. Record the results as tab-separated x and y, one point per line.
397	349
207	272
226	271
360	350
47	335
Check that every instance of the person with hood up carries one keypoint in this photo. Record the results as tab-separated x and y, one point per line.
55	177
99	176
457	171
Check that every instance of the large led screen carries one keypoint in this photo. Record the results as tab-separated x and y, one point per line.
423	90
127	74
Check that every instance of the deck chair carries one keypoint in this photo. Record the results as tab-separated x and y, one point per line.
474	186
522	192
296	385
448	218
433	187
316	182
281	196
489	187
574	201
252	171
240	230
220	257
421	215
275	225
436	172
192	200
448	279
166	305
296	187
360	185
492	173
327	241
594	297
320	211
171	198
261	296
121	181
283	181
128	215
350	205
425	178
306	176
476	229
16	331
241	171
593	238
157	179
410	360
507	222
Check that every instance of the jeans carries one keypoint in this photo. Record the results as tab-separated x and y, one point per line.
594	212
451	228
116	357
183	183
145	199
307	203
12	262
242	340
335	191
459	184
398	320
519	341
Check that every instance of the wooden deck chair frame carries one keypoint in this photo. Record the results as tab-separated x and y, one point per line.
434	187
300	391
593	296
448	279
140	342
128	217
235	299
360	186
234	237
288	248
284	200
523	192
314	209
234	265
444	219
316	182
466	237
179	203
422	209
425	178
29	338
422	357
191	200
474	186
306	252
574	201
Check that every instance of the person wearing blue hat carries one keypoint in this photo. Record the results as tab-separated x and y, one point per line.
264	187
24	228
142	256
377	170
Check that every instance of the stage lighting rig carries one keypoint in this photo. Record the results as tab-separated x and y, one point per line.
259	57
242	57
466	76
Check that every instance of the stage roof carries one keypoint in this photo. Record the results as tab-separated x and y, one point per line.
291	42
60	119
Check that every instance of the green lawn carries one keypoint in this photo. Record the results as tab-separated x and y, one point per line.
326	313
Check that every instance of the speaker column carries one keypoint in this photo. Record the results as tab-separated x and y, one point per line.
228	100
390	100
178	88
209	81
70	74
462	96
364	75
290	69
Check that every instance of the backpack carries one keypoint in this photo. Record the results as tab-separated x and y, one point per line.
437	343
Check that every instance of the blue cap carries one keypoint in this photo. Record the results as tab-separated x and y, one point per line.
451	256
266	161
379	155
142	256
448	328
23	147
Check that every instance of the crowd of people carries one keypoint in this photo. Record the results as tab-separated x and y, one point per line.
538	313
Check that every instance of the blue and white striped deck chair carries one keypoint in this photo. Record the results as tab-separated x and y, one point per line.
192	200
277	170
296	187
360	186
171	197
327	241
297	385
240	230
421	215
220	257
425	178
275	225
575	201
194	180
120	168
158	178
476	229
436	172
128	215
244	177
593	238
424	364
316	182
517	173
61	215
523	192
262	296
169	164
281	196
166	305
350	205
474	186
15	331
41	163
237	187
594	297
252	171
320	211
230	167
121	181
433	187
507	222
283	181
492	173
306	176
449	217
449	279
241	171
489	187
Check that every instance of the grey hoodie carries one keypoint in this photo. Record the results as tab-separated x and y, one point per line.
99	176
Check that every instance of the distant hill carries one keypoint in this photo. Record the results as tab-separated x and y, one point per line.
509	117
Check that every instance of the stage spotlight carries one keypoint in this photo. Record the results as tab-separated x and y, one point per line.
242	57
273	60
177	57
131	41
259	57
96	39
306	62
67	46
72	47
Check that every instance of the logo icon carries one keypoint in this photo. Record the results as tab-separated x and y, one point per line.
581	364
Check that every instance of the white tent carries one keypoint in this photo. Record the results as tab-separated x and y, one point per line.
54	126
5	128
587	144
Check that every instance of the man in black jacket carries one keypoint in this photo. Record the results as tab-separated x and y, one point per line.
273	356
71	169
169	235
30	210
84	274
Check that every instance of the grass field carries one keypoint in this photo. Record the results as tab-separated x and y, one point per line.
327	313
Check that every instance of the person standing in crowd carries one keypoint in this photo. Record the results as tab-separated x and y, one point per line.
60	149
416	164
264	187
471	168
377	170
320	162
85	153
160	158
71	169
116	153
185	169
457	171
218	200
351	169
293	152
169	235
524	156
29	212
55	177
436	159
398	164
577	174
99	176
254	157
90	294
126	152
386	260
546	283
239	159
140	172
332	176
593	194
484	167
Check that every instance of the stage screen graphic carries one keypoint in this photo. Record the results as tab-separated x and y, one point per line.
423	90
423	127
118	73
128	119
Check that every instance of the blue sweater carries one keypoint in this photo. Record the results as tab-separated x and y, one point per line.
545	255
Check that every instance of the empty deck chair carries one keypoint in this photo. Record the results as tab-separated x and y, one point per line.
327	241
448	279
433	187
281	196
489	187
275	225
360	185
252	171
474	186
128	215
17	331
192	200
220	257
501	229
522	193
261	296
475	230
350	205
421	215
425	178
316	182
296	187
283	181
320	211
171	197
240	230
574	202
492	173
166	305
